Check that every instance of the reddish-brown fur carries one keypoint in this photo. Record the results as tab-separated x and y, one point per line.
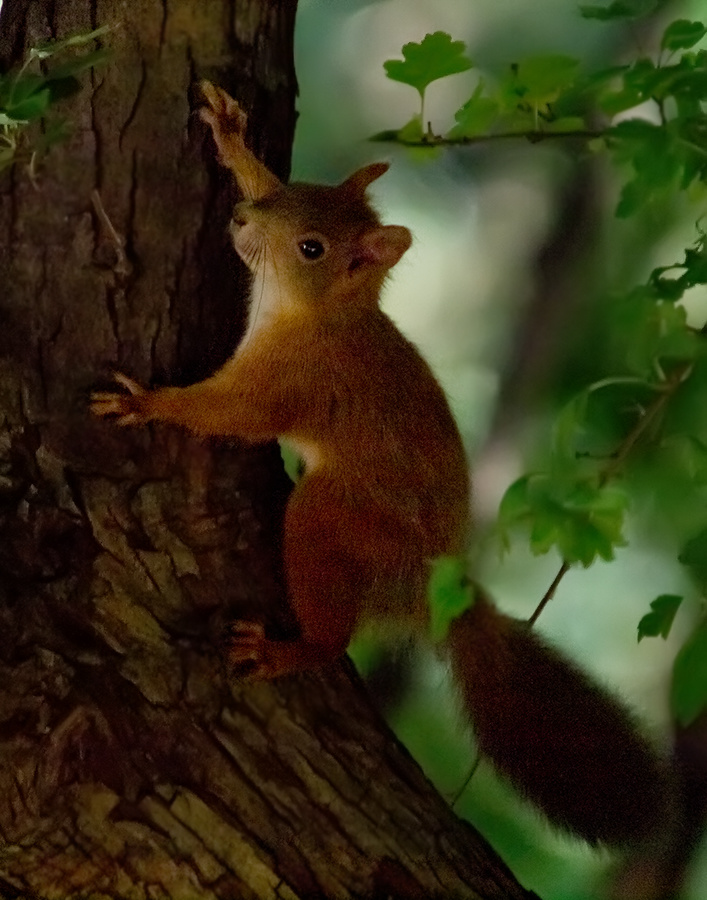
384	490
563	741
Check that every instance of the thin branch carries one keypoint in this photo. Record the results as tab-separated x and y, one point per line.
549	593
672	383
534	136
472	771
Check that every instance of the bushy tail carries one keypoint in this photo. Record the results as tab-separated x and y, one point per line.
563	742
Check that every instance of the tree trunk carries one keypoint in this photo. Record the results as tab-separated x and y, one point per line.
131	765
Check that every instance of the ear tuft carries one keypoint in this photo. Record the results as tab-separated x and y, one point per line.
357	183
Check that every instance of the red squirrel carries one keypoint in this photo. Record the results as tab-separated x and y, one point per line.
384	491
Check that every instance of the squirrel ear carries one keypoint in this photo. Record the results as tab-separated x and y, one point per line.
381	247
359	181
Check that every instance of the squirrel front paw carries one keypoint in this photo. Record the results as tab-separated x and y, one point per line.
129	408
222	113
228	126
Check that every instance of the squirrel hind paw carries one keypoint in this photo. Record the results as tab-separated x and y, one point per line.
244	645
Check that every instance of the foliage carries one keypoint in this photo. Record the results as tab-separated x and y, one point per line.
548	96
690	677
659	620
620	9
449	593
648	115
27	95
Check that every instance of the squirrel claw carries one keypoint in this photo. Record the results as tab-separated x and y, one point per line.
219	100
126	407
245	646
137	390
221	111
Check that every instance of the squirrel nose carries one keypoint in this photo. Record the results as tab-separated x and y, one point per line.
240	213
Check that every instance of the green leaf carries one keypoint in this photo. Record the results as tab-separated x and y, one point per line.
572	424
636	130
60	88
694	556
412	132
668	157
670	289
565	125
632	198
78	64
291	460
515	503
15	88
614	102
645	76
594	523
686	454
619	9
695	265
32	107
659	620
449	593
568	423
583	520
476	116
682	34
657	160
656	330
435	57
689	688
51	48
534	83
544	77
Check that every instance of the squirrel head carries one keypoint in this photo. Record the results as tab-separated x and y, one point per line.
319	247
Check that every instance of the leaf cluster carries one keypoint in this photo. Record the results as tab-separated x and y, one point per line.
581	517
48	74
575	506
549	96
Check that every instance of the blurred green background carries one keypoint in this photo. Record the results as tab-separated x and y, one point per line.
515	245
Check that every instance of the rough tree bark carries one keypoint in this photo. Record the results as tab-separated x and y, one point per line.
130	764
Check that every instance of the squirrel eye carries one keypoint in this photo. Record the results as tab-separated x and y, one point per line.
311	248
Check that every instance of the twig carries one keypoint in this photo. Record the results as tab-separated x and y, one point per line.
549	593
534	136
467	781
673	382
